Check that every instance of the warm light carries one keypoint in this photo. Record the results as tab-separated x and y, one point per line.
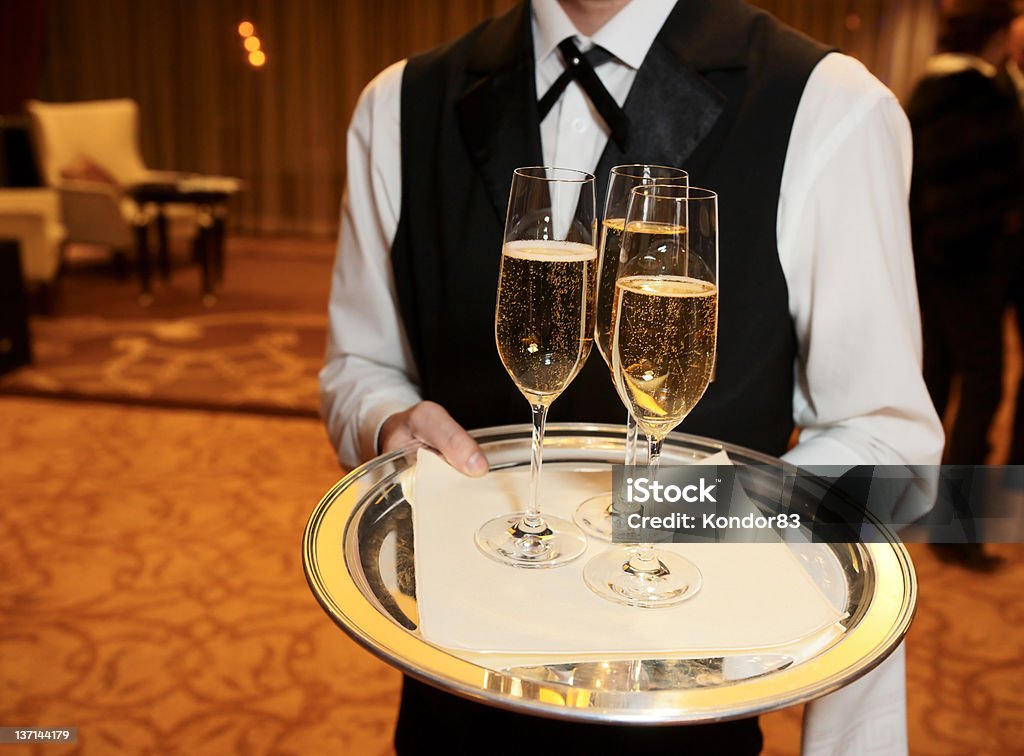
252	44
853	22
246	29
257	58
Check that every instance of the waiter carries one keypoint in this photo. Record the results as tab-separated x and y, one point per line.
818	324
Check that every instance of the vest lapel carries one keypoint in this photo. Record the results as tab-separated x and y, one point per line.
671	109
497	110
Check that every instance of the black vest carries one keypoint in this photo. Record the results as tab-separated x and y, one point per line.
716	95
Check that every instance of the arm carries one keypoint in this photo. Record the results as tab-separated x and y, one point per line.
844	243
368	391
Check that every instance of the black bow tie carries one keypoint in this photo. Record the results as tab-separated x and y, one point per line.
581	68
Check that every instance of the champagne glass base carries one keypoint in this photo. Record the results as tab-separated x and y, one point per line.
558	543
672	581
595	517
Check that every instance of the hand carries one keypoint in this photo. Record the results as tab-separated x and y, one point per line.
430	423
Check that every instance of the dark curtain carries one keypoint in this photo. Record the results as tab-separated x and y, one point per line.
282	127
22	41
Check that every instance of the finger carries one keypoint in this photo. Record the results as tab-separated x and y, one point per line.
432	424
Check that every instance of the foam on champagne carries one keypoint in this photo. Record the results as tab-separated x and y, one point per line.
542	250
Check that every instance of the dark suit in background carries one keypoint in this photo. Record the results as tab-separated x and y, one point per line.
965	192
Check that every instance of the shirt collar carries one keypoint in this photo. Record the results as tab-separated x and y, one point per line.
628	35
550	26
945	64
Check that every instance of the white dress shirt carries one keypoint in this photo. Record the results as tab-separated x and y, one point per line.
843	237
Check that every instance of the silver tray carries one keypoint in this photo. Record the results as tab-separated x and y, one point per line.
358	558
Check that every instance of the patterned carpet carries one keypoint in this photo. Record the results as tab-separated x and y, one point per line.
153	593
153	596
258	349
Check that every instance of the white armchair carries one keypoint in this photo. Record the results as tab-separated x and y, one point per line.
32	218
103	134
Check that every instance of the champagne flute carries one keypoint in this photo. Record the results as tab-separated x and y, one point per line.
543	325
665	326
595	515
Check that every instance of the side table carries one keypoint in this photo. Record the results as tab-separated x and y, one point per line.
209	196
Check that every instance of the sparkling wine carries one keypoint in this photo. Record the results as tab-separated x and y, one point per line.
544	322
663	347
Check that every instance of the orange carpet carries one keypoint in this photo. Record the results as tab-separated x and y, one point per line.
153	593
257	349
153	597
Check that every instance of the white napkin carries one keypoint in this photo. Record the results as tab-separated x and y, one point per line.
754	596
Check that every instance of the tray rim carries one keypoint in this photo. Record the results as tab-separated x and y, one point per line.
861	649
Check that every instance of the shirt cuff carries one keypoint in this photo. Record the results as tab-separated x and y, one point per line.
373	421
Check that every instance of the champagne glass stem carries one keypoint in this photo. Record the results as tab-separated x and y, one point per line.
653	456
632	437
532	521
645	560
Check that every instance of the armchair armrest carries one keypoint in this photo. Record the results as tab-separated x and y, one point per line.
79	186
93	213
39	201
160	177
39	235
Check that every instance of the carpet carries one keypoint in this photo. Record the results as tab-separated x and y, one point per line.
257	349
153	597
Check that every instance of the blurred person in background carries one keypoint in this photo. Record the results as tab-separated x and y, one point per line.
1013	80
1014	66
964	204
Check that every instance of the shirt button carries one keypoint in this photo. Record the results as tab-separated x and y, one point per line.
578	125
